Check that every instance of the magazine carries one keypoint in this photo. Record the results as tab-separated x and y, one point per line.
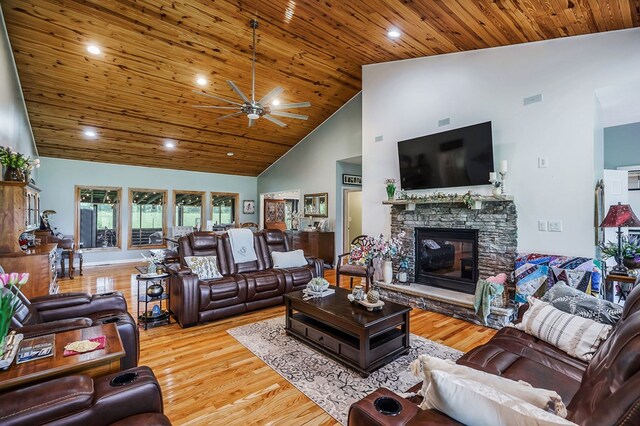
36	348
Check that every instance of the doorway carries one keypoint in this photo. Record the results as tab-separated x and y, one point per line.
352	220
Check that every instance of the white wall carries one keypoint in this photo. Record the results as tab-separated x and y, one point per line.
15	130
58	179
311	165
405	99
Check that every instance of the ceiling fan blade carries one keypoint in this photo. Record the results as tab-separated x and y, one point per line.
290	115
287	106
274	120
238	91
216	97
229	115
271	95
251	122
215	107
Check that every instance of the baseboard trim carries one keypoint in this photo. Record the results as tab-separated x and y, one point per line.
108	262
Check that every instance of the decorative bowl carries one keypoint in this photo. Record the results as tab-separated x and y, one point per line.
155	290
318	285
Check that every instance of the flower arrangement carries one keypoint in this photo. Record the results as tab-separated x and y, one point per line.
9	300
16	162
374	247
630	248
467	199
391	188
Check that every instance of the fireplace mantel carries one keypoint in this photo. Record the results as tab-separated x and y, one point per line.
481	198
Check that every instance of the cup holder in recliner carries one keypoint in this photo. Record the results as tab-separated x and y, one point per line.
388	406
123	379
111	320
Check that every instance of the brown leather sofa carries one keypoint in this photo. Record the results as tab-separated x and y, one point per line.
69	311
244	286
604	392
131	397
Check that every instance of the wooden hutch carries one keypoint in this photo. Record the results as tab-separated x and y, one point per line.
20	212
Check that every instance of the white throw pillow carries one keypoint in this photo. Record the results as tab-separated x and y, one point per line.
541	398
577	336
288	259
205	267
475	404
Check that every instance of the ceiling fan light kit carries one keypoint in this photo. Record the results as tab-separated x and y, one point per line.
251	108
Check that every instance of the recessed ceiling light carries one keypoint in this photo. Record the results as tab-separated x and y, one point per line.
276	102
230	154
169	143
90	133
93	49
201	81
393	33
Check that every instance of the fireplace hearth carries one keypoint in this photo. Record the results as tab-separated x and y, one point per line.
447	258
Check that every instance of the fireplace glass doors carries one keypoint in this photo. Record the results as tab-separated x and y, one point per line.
447	258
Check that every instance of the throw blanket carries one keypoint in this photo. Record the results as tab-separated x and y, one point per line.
242	245
485	292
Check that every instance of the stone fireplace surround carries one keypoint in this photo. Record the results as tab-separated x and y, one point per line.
496	223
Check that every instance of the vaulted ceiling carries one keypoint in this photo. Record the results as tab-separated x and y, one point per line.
137	92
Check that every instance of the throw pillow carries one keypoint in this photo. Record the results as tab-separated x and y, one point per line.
205	267
568	299
474	403
541	398
577	336
288	259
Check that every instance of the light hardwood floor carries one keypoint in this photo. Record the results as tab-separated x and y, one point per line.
208	378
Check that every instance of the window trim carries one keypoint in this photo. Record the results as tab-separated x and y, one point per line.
202	208
130	245
76	236
236	212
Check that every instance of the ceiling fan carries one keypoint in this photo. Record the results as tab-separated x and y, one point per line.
251	107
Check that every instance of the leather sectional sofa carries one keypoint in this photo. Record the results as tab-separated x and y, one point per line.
604	392
244	286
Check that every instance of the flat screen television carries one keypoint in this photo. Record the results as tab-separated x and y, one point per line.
460	157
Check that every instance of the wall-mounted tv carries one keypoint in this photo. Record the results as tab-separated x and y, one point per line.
460	157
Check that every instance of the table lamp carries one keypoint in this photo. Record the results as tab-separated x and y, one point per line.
620	216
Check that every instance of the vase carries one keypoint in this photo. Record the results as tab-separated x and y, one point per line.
391	192
402	277
13	174
294	224
631	263
155	290
387	271
151	268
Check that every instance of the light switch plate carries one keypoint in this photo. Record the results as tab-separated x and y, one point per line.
543	162
555	226
542	225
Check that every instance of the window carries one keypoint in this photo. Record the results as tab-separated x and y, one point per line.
98	217
188	209
224	209
148	218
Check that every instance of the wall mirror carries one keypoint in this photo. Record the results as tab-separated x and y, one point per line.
316	204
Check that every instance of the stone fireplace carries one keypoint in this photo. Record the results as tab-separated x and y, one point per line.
469	244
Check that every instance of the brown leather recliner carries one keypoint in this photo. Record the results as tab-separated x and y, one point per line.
605	391
244	286
131	397
69	311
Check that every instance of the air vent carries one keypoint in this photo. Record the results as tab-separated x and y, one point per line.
532	99
444	122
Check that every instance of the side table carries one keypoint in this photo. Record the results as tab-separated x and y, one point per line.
609	287
146	296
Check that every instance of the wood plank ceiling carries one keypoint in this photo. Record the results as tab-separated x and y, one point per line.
138	92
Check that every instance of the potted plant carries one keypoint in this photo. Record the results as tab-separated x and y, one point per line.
15	164
9	301
403	268
629	251
391	188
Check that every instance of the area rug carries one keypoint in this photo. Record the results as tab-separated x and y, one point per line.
327	383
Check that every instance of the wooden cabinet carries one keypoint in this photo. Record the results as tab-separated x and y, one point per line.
20	212
316	243
40	263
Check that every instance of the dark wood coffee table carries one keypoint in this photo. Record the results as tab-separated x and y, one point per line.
347	332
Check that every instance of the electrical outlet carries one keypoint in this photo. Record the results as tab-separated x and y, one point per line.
543	162
555	226
532	99
379	138
543	225
444	122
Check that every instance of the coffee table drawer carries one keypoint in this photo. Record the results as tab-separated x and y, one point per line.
322	339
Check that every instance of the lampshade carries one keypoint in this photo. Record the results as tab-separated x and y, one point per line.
620	215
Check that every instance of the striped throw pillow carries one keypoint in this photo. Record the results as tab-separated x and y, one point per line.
577	336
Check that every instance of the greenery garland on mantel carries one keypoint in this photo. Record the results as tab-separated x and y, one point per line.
469	199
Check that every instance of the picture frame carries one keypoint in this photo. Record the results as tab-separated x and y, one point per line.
351	180
248	206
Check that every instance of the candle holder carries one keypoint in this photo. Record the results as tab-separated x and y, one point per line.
498	183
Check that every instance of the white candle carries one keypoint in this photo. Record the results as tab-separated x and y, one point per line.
503	166
492	176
